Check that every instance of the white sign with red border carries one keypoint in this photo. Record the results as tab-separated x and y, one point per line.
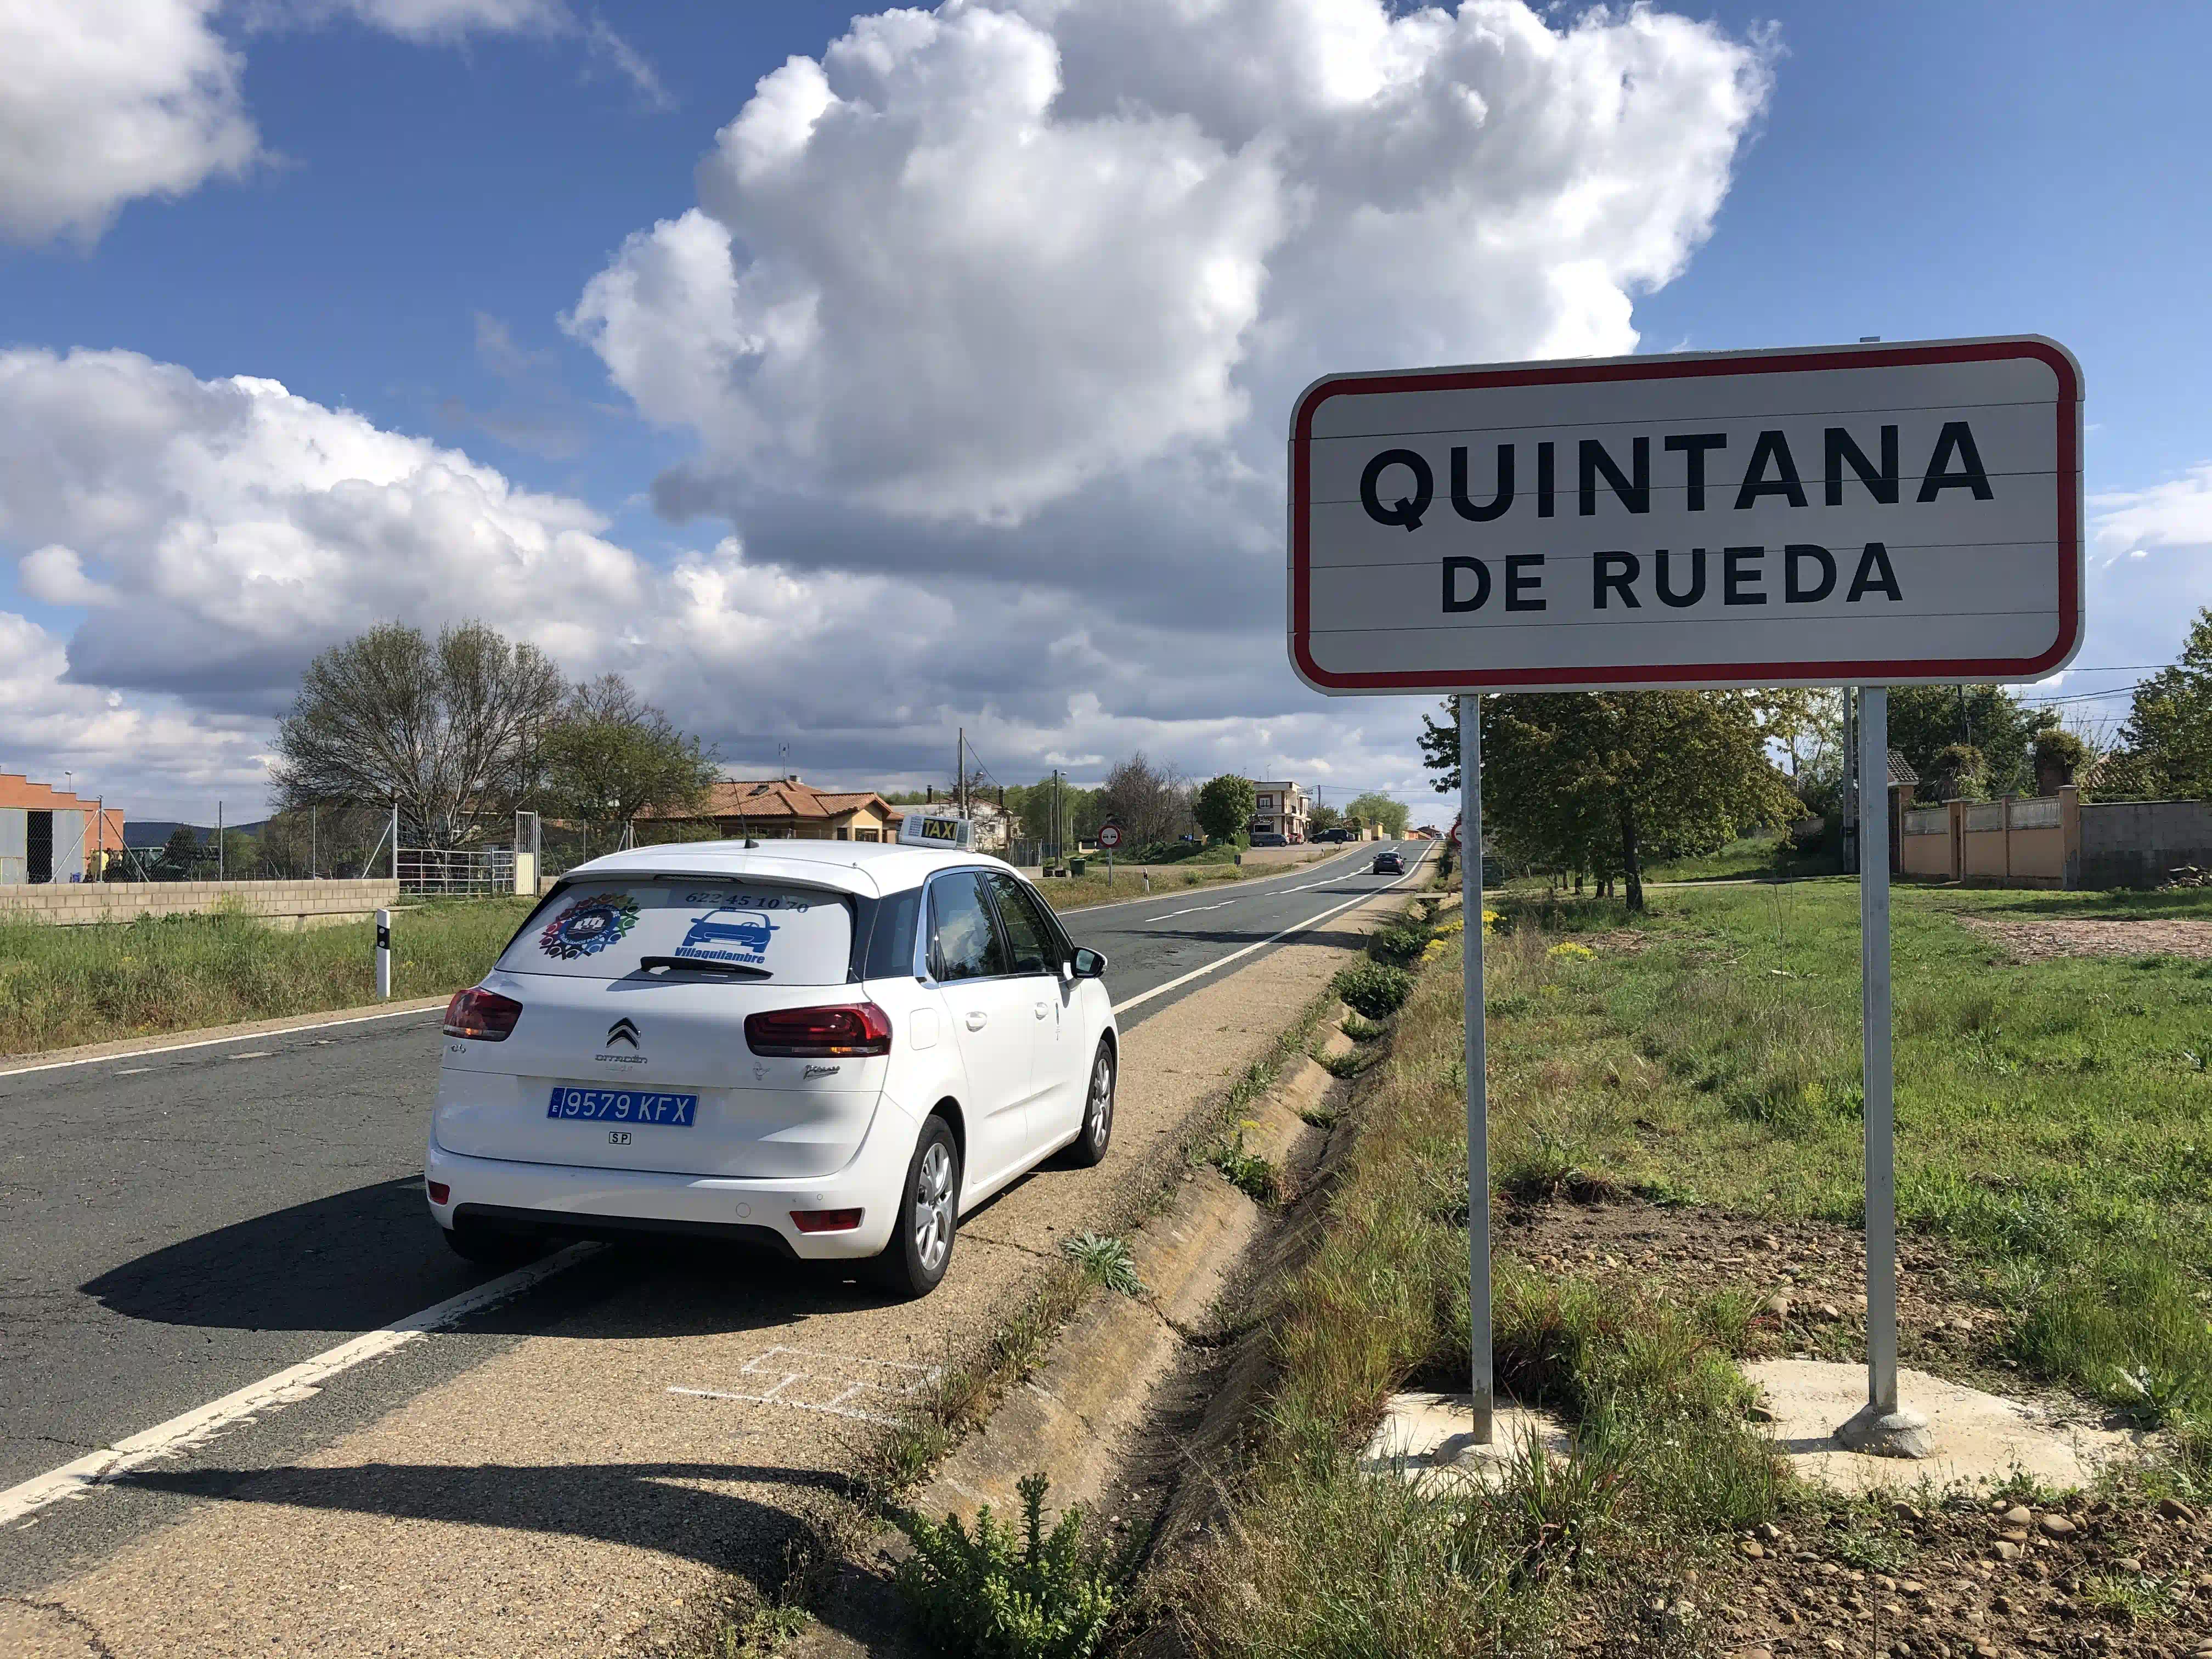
1109	835
1881	514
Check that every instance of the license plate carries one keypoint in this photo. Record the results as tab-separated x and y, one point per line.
646	1106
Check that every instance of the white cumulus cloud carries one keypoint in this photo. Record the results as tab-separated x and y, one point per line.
103	101
968	262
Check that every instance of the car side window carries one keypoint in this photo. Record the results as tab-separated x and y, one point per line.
1028	934
964	941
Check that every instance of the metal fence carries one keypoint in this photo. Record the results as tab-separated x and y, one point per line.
440	871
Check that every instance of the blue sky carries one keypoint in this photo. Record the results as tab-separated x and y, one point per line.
427	210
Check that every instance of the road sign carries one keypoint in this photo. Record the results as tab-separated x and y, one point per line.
1877	514
1109	835
1870	514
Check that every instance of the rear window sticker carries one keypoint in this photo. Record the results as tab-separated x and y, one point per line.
589	925
729	934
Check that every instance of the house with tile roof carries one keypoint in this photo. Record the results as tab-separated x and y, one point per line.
779	809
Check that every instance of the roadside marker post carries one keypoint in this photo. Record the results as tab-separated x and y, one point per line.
384	955
1868	515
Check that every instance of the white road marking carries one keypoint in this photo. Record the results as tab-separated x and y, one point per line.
1196	908
252	1053
211	1042
133	1071
888	1383
1143	997
1249	884
294	1382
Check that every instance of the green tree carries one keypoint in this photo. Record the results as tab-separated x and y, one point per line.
1223	807
1926	720
1380	812
1322	818
2168	735
610	755
180	853
448	728
1585	780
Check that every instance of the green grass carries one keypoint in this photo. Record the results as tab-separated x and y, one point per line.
2054	1119
1318	1559
1750	858
2053	1128
61	986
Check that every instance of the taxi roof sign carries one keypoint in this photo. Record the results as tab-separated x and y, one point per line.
915	830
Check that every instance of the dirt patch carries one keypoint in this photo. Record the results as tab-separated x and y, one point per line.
1809	1276
2045	941
1985	1577
1906	1580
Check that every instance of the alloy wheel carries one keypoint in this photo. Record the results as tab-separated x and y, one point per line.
933	1207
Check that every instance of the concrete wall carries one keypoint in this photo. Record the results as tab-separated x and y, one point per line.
2134	843
1926	854
283	903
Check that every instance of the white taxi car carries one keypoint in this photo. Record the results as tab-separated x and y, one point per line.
832	1047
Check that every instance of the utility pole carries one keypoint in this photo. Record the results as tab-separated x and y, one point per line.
960	771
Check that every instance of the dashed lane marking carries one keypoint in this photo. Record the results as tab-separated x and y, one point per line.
428	1016
1219	962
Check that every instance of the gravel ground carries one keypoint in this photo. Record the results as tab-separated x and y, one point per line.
2042	941
1941	1579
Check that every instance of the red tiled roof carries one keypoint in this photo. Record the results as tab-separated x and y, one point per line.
775	797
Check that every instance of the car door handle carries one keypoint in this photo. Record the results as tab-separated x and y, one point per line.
1042	1009
977	1019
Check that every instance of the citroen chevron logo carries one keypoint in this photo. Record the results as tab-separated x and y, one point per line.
622	1030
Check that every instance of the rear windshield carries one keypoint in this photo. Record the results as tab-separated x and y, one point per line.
605	929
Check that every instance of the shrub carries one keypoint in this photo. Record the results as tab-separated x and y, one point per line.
1041	1596
1375	990
1105	1261
1398	944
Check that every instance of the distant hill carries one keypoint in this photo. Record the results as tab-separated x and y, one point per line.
154	833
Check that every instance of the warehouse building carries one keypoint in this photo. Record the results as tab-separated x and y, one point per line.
51	835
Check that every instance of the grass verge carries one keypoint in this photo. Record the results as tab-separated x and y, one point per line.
1317	1558
63	986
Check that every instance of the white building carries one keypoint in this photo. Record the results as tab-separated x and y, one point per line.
1280	809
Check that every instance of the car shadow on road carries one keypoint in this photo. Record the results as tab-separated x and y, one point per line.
668	1508
358	1260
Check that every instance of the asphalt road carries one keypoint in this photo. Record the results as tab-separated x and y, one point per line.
182	1224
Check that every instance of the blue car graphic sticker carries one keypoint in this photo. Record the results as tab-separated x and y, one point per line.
729	935
588	926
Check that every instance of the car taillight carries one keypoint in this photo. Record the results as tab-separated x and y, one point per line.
851	1028
483	1014
825	1221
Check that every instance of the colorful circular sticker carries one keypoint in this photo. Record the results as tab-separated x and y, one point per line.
588	926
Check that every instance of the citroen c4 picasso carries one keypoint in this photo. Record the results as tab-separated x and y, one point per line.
832	1047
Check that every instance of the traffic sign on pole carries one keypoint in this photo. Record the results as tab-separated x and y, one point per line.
1868	515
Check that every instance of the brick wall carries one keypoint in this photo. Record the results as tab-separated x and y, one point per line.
284	903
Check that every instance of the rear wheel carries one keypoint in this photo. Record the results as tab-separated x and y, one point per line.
920	1250
1098	1132
489	1247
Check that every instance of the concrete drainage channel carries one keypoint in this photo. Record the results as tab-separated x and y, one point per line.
1129	1381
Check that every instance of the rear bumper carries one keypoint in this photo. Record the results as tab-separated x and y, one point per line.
587	1202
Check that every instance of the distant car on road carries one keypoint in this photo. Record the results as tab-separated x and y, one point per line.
1334	836
1389	864
831	1048
1271	839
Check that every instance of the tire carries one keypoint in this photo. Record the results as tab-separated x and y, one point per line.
489	1247
913	1263
1089	1149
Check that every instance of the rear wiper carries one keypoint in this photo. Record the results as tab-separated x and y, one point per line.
706	965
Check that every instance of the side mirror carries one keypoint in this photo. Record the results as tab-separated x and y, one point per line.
1088	964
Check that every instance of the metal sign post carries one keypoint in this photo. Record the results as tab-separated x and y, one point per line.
1109	837
1484	1391
1877	514
1881	1426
